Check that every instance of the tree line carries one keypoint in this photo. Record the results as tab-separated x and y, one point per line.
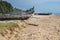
5	7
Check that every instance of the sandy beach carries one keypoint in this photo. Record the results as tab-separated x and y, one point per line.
35	28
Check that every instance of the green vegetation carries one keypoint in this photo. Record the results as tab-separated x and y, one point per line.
5	7
6	25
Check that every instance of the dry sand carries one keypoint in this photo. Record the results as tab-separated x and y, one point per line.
35	28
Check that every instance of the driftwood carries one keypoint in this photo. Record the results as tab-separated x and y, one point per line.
23	16
43	13
33	24
14	17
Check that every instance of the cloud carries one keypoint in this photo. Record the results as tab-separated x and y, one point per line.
36	0
33	2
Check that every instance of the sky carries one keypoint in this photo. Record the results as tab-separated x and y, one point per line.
43	6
